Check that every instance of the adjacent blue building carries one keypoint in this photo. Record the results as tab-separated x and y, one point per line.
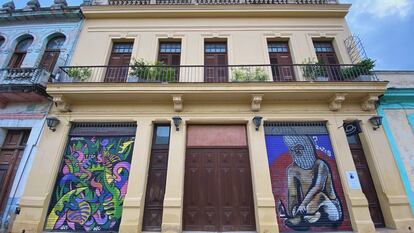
34	42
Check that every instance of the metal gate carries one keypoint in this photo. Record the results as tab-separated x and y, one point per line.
305	179
93	178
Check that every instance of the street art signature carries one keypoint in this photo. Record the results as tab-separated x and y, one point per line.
307	198
91	185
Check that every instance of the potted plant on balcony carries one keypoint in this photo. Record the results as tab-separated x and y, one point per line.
314	71
142	71
79	73
360	71
245	74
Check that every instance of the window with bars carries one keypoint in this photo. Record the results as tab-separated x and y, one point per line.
124	47
215	47
170	47
323	47
278	47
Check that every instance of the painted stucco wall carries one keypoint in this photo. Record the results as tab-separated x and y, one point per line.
239	32
404	137
397	107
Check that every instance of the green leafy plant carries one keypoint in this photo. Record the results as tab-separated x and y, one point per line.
248	75
364	67
80	74
152	72
312	70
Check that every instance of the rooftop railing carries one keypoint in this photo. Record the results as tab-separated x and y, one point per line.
208	2
215	74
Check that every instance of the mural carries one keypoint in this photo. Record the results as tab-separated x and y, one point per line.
91	185
306	184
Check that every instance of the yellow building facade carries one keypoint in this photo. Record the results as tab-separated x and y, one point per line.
188	124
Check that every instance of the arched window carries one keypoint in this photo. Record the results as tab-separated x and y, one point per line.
2	41
20	52
52	53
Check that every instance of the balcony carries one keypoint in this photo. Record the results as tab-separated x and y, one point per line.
209	2
215	74
23	85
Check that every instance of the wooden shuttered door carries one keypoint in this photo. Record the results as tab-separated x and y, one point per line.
52	53
218	192
119	60
305	179
92	180
365	178
11	153
215	61
157	176
170	55
326	55
281	61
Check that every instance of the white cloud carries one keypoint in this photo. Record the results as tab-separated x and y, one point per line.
382	8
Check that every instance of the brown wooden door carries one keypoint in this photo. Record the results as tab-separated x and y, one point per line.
157	176
328	59
365	179
215	61
281	61
170	55
218	190
49	60
119	62
11	153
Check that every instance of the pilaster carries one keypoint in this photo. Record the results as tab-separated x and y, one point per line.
262	186
35	200
133	208
355	198
174	191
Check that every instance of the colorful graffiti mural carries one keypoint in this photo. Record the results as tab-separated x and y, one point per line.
306	185
91	185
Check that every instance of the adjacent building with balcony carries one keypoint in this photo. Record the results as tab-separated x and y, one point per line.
34	42
217	116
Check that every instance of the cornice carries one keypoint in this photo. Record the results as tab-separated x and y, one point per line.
228	11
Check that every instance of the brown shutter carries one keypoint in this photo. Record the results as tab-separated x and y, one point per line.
49	60
281	62
120	61
11	153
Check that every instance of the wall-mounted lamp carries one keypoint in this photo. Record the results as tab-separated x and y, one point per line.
177	122
52	122
376	121
257	121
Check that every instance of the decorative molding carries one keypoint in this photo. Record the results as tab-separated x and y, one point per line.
178	102
368	103
61	104
335	103
256	101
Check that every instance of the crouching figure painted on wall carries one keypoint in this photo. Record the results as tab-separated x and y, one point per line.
305	193
311	195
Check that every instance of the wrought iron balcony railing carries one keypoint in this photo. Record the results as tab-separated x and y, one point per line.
215	74
210	2
26	76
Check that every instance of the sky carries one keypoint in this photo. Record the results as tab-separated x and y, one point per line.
386	28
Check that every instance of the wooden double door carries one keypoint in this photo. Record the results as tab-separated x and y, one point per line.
218	190
11	153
